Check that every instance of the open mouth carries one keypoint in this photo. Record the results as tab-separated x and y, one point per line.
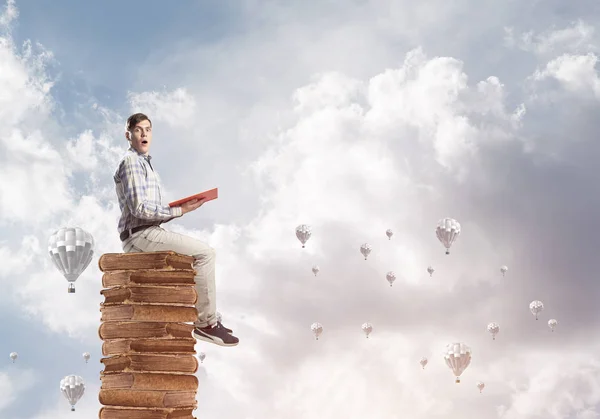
144	142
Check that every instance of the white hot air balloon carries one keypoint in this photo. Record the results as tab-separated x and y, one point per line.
536	308
71	250
423	362
447	232
552	324
389	233
367	328
201	357
14	356
430	270
72	387
503	269
315	269
480	385
86	356
317	329
458	358
494	329
391	277
365	249
303	233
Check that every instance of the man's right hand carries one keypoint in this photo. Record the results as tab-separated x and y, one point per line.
191	205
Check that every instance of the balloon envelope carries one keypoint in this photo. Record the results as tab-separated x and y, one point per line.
72	387
71	250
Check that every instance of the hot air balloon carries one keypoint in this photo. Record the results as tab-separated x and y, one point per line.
503	269
86	356
389	233
71	250
317	329
430	270
367	328
480	385
391	277
423	362
201	357
14	356
315	270
72	387
447	232
303	233
365	249
536	308
458	358
494	329
552	324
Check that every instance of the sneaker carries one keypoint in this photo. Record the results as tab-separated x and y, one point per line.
224	328
215	334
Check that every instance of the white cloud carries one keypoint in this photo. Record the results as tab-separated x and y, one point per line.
14	381
176	108
579	37
576	73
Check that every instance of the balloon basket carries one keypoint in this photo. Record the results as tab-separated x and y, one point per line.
71	289
72	408
457	381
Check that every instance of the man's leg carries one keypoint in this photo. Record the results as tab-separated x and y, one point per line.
157	239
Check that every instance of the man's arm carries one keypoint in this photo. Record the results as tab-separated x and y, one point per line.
131	173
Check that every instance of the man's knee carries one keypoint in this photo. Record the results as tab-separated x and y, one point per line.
206	255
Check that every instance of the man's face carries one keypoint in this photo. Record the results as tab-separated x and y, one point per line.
141	136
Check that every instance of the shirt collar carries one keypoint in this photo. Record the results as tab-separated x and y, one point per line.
148	157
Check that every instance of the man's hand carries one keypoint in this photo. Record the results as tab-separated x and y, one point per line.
191	205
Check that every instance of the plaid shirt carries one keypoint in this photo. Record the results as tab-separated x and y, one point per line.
138	190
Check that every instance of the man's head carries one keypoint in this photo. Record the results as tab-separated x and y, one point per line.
139	132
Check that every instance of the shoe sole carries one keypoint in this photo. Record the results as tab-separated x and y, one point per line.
216	341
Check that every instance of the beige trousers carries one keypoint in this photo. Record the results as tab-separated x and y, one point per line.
157	239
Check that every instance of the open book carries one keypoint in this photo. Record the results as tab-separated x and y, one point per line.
206	196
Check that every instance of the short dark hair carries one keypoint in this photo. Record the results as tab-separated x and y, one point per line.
135	119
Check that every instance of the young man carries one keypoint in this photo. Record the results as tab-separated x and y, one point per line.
142	213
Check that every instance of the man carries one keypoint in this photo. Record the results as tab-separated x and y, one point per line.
142	213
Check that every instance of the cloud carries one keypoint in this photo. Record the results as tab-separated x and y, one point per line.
576	73
175	108
577	38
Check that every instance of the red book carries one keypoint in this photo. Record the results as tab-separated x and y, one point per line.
206	196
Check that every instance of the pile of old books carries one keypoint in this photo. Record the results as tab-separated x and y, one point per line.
147	336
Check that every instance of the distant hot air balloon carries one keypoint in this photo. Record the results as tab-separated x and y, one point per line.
552	324
458	358
389	233
365	249
536	308
494	329
201	357
503	269
72	387
430	270
367	328
480	385
315	270
86	356
423	362
14	356
317	329
447	232
303	233
71	250
391	277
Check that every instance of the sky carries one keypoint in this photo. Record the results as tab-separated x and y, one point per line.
350	116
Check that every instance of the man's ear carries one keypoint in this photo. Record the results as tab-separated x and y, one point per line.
127	135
